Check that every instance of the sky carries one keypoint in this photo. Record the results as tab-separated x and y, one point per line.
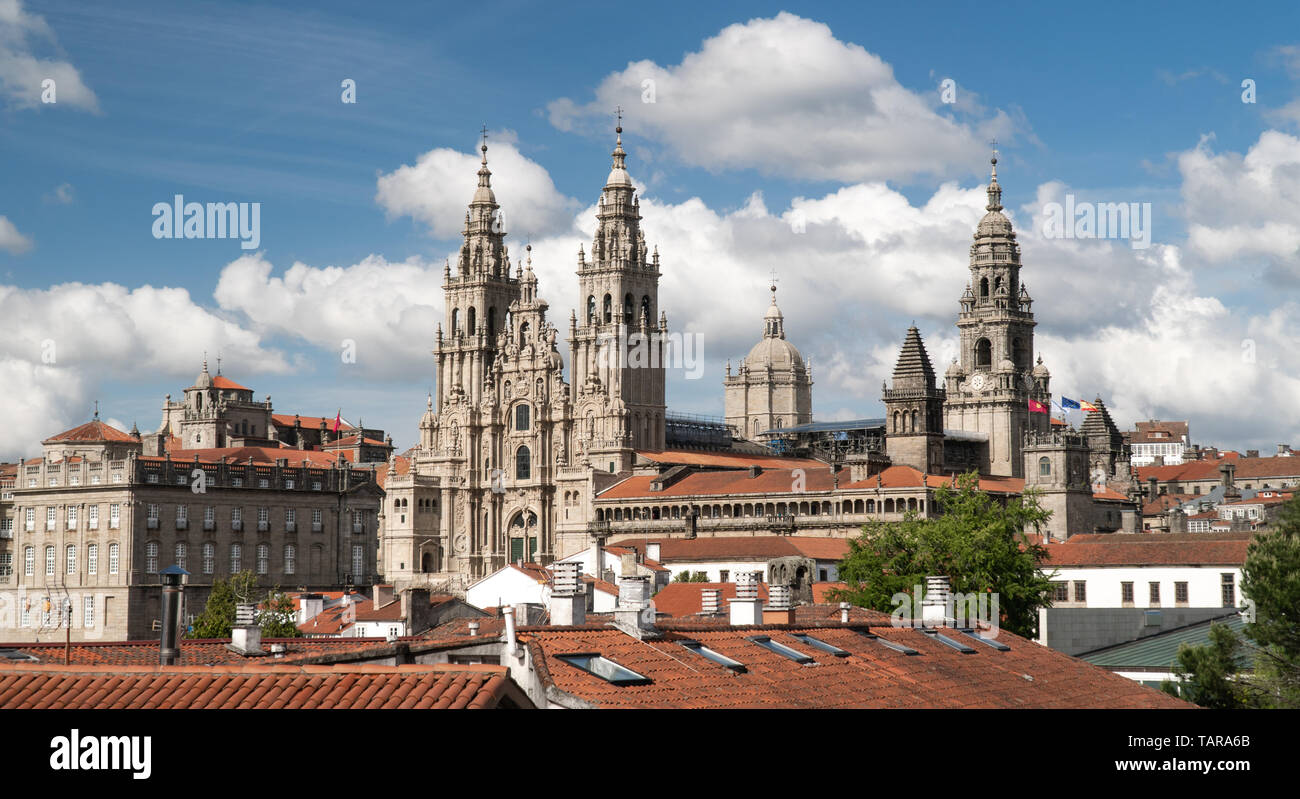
843	148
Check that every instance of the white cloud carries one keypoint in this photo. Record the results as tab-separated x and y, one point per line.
438	188
62	194
11	240
388	310
22	72
785	97
61	343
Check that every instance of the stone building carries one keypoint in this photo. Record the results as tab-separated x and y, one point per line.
772	387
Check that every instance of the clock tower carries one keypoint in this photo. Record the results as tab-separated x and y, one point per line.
989	390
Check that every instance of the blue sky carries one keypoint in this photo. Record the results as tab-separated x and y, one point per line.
241	102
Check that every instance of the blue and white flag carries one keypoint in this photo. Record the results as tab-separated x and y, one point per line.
1069	404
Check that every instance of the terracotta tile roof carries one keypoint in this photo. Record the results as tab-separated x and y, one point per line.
691	457
817	477
1164	502
649	563
686	599
1174	430
194	652
871	676
757	547
1276	466
286	420
351	441
908	477
220	381
1257	501
402	466
1149	549
1108	493
295	457
261	686
366	611
92	431
601	585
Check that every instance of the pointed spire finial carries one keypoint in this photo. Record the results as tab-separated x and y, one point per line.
995	191
96	410
483	147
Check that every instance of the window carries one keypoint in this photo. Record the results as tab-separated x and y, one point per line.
237	482
263	518
724	576
237	518
51	515
983	353
92	558
1080	590
54	481
182	514
31	519
291	516
88	612
209	557
817	643
1180	593
113	551
153	512
716	657
290	558
94	517
151	557
263	482
521	417
263	558
781	649
523	464
315	518
1044	467
315	485
1061	591
49	561
289	483
1126	593
181	551
358	562
605	669
1229	590
1154	594
236	558
6	564
114	516
72	517
209	517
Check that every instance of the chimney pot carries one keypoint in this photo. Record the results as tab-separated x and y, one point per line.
934	608
568	599
473	628
711	601
746	609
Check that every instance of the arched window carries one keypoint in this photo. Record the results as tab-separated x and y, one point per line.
455	320
984	287
521	417
472	325
492	323
755	428
609	309
896	430
915	417
627	309
523	464
645	309
1018	354
591	309
1044	467
983	353
523	333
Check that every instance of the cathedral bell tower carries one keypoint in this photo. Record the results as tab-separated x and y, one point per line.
914	410
617	336
989	391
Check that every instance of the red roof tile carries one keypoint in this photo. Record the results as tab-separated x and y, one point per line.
295	457
691	457
261	686
220	381
1149	549
756	547
92	431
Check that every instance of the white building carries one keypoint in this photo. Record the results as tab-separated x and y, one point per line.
1155	439
530	584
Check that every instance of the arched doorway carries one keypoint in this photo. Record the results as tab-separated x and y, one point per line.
523	537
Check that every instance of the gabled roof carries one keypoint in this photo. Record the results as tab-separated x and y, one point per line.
1149	549
759	547
92	431
691	457
193	652
224	382
261	686
909	477
296	457
775	480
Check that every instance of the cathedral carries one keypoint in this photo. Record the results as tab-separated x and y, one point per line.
514	463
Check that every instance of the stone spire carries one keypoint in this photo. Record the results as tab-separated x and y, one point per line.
773	320
913	370
995	191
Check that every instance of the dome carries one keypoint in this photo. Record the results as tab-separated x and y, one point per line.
776	353
1040	370
954	369
994	223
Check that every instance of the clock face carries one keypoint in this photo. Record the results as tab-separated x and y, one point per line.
977	382
1029	380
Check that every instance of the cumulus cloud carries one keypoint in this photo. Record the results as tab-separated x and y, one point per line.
785	97
438	187
61	343
11	240
23	71
383	313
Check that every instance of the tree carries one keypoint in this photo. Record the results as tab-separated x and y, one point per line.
275	614
687	576
1205	673
977	541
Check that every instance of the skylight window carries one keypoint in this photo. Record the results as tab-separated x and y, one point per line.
716	657
781	649
943	639
604	668
1001	647
906	650
822	645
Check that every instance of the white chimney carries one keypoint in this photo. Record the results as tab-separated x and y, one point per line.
512	642
711	601
568	599
309	607
934	608
746	609
473	628
246	639
780	607
635	614
652	550
844	612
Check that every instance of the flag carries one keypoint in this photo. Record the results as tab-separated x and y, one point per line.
338	419
1037	407
1067	403
1087	406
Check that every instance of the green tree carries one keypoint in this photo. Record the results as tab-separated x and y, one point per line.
275	614
977	541
1205	673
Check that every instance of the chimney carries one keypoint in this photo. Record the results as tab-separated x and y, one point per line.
473	628
568	599
169	652
746	609
1153	489
755	470
934	608
780	608
512	642
1252	453
1283	449
1229	472
246	635
309	606
711	601
635	614
844	612
383	594
652	550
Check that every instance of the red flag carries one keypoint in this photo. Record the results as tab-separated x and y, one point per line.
1037	407
338	418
